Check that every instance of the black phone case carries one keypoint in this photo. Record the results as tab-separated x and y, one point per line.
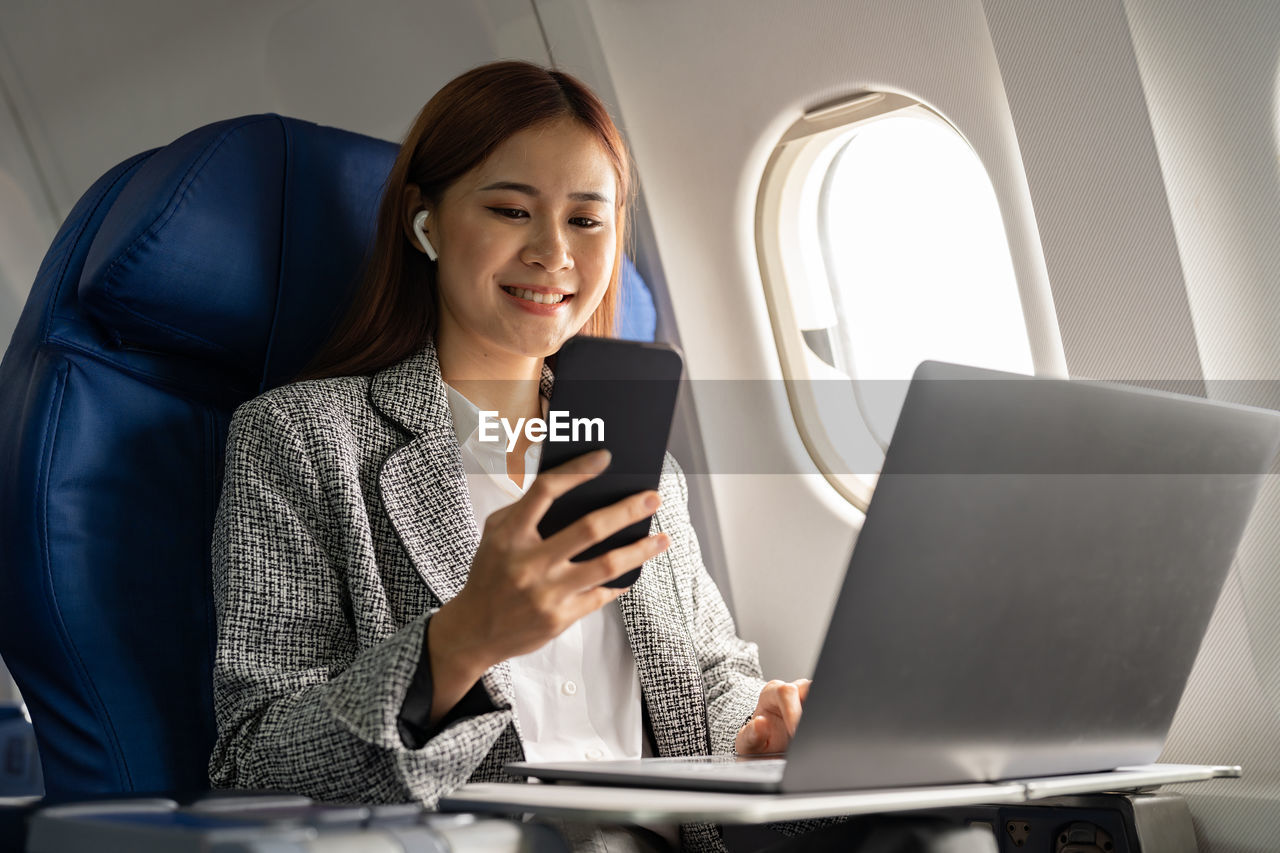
631	388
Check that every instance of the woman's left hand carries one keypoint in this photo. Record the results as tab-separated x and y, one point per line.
774	723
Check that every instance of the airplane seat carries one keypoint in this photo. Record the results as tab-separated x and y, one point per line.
186	280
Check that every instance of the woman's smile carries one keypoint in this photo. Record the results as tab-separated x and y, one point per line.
538	300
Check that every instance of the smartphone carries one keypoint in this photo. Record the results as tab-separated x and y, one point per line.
619	395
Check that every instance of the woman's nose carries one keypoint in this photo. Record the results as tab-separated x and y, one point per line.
548	247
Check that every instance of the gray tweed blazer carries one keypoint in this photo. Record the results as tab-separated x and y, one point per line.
345	522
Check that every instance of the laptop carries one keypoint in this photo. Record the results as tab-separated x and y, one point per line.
1027	594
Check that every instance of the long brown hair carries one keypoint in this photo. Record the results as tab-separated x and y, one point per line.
394	310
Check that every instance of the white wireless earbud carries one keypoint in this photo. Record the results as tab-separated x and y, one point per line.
418	222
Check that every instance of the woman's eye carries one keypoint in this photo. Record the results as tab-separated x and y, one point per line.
517	213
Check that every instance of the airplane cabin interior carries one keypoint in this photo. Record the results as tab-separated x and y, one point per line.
827	194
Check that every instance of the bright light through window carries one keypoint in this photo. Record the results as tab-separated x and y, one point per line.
918	254
917	258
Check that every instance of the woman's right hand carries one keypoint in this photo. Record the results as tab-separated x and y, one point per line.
524	590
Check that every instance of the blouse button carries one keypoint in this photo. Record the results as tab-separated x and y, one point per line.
569	688
594	754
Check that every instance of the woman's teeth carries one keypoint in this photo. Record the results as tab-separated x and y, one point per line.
534	296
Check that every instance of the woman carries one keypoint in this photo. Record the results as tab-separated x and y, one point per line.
373	644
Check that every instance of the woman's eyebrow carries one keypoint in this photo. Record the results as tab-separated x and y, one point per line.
535	192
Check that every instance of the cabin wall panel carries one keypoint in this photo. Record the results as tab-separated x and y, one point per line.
1210	74
1090	157
28	223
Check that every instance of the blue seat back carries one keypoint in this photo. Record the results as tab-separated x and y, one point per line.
186	280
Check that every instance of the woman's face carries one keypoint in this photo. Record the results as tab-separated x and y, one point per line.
526	242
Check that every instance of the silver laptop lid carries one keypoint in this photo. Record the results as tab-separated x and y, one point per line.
1030	587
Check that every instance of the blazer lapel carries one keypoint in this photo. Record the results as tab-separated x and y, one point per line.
666	662
424	487
424	492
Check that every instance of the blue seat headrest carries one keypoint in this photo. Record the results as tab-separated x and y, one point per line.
209	250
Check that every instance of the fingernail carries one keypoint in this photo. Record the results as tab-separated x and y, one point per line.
602	460
661	542
652	502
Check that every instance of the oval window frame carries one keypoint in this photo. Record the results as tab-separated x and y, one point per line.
786	186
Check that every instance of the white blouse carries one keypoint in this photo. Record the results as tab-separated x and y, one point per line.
579	695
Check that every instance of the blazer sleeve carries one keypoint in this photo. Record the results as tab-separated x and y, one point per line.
731	672
303	702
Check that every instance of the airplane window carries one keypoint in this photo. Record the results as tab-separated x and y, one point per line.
881	246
